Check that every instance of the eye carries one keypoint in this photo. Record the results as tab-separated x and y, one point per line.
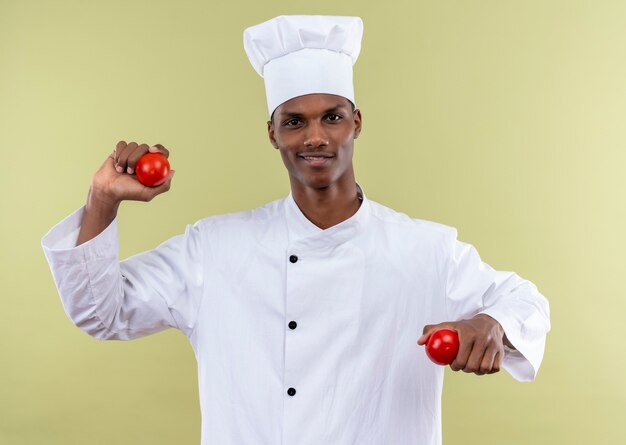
334	117
291	122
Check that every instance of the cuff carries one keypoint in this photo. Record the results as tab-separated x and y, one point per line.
523	362
60	241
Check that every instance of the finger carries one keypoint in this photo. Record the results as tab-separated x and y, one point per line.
133	157
486	365
430	328
475	358
161	149
109	162
465	349
497	362
151	192
118	149
123	156
425	334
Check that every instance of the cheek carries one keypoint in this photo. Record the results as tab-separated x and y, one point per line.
283	156
287	157
346	150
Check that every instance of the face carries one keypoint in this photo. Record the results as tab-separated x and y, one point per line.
315	136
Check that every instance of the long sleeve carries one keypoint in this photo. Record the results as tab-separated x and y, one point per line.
144	294
474	287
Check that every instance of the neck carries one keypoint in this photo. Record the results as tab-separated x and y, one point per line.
326	207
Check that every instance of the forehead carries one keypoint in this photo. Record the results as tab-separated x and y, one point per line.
313	103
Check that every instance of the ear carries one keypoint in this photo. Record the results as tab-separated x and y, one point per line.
357	123
270	134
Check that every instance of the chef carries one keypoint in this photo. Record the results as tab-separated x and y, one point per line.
307	315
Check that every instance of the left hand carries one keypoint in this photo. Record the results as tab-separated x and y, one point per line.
481	343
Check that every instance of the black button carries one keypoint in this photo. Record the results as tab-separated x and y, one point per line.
291	391
292	324
293	258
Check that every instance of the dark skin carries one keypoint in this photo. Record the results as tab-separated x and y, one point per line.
113	183
481	340
315	136
319	125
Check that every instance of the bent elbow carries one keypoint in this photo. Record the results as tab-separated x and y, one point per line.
92	325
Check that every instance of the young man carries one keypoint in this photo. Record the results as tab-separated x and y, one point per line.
304	314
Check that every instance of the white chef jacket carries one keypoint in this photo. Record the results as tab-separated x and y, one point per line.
303	336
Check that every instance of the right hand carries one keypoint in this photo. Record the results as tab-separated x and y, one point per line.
115	180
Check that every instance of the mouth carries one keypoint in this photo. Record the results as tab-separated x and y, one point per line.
317	159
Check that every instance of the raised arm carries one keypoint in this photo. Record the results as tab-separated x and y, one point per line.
146	293
113	183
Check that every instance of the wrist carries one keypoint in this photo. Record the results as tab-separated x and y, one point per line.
487	317
102	204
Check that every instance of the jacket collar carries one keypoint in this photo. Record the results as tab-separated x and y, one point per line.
304	234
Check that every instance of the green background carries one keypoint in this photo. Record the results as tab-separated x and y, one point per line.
504	119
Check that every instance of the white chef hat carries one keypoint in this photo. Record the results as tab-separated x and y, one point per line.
304	54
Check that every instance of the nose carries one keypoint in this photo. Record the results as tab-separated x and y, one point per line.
315	136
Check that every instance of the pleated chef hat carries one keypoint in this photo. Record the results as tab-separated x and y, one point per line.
304	54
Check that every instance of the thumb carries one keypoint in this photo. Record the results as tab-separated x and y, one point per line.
155	191
429	329
167	184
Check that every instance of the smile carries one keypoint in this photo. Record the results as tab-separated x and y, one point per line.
318	160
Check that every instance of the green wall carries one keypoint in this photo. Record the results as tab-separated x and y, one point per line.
505	119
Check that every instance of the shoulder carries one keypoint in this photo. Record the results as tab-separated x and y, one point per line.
394	220
414	243
245	220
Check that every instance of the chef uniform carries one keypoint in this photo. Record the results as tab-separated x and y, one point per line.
303	336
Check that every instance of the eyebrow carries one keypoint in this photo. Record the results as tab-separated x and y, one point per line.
295	114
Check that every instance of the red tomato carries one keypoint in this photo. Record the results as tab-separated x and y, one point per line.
152	169
442	346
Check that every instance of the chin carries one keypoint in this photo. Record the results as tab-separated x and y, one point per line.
321	182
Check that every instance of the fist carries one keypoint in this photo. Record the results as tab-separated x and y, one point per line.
116	181
127	155
481	344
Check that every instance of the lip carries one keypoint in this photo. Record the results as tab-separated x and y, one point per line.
322	159
317	154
